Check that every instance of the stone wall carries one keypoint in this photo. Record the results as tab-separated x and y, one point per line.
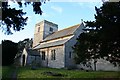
101	65
38	36
47	31
58	62
33	60
44	62
44	31
105	65
69	62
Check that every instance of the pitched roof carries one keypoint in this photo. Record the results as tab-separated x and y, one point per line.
62	33
50	44
32	52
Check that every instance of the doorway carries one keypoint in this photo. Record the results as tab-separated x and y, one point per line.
23	60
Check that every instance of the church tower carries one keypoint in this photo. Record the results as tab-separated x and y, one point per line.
42	30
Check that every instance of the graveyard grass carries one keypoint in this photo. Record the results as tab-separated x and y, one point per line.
27	72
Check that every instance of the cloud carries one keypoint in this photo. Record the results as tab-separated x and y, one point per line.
57	9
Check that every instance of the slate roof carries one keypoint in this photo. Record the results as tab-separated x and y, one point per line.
62	33
50	44
32	52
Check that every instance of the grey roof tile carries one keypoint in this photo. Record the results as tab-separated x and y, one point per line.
50	44
58	34
32	52
62	33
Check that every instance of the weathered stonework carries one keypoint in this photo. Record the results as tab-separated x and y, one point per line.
62	42
59	58
44	31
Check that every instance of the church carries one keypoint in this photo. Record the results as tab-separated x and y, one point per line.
54	47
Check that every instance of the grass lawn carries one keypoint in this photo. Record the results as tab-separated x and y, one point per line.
7	71
0	72
26	72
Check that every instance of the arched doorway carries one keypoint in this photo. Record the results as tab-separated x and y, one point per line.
23	60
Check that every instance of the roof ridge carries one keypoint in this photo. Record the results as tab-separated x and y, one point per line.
67	28
70	30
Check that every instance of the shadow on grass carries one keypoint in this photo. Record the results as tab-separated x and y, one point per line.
9	73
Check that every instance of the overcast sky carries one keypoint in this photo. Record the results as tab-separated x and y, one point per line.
65	14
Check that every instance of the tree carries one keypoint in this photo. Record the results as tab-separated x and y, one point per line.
102	38
26	43
107	23
13	18
86	49
9	50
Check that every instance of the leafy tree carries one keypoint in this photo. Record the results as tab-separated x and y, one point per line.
9	50
86	49
102	38
107	24
26	43
12	19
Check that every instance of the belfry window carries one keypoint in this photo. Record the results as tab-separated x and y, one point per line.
51	29
38	29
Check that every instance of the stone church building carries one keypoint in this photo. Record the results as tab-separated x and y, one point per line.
55	47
